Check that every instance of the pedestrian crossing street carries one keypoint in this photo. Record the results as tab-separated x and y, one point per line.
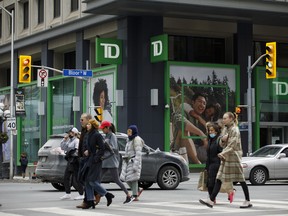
260	207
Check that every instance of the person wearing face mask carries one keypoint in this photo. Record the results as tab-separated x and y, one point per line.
132	161
230	169
69	145
213	149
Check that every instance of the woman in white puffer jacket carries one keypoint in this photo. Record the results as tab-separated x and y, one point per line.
132	160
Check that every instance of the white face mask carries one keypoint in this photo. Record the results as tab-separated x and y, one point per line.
212	135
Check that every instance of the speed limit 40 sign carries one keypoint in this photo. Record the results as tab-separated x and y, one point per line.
11	123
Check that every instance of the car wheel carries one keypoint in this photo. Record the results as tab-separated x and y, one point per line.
58	186
168	178
258	176
145	185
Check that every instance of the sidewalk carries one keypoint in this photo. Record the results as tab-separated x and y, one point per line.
19	179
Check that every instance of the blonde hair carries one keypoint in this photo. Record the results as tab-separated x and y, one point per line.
233	116
94	123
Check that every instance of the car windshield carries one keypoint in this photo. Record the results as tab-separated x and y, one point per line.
268	151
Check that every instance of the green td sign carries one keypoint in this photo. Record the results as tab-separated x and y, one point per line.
159	48
108	51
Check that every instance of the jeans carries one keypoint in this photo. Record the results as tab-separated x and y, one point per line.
90	187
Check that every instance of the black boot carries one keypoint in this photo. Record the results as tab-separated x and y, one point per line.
89	204
109	198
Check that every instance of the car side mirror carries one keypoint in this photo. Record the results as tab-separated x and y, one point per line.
281	155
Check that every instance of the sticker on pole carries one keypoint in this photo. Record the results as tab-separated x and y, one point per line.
11	123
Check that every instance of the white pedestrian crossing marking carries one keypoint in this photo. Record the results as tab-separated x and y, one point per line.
9	214
71	212
260	206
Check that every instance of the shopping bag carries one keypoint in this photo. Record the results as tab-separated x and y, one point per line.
202	183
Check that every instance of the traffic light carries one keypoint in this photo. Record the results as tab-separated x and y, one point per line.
24	69
271	60
99	112
237	110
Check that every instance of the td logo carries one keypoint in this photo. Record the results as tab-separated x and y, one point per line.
159	48
280	88
108	51
111	50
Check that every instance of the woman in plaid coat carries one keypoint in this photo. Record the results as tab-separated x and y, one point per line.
230	169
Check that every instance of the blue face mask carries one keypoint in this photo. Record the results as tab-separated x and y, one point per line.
212	135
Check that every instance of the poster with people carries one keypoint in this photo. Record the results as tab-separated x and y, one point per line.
5	99
198	95
102	94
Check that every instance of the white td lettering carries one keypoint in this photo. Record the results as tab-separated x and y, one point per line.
157	48
281	88
108	50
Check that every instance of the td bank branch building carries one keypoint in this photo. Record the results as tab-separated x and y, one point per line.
161	65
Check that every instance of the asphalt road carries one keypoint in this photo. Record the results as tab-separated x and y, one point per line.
29	197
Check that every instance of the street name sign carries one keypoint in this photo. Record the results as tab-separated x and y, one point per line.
77	73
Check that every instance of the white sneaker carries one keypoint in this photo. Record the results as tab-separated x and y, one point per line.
80	197
207	202
66	196
246	204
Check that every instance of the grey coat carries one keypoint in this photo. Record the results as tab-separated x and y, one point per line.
132	161
113	161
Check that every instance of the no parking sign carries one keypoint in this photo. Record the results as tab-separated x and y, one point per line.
42	78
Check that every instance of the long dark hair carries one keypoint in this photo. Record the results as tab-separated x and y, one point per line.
99	87
113	128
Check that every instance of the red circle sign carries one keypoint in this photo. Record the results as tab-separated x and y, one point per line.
42	74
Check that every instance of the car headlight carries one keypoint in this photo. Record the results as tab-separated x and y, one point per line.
244	165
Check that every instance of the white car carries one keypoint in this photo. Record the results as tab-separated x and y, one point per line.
267	163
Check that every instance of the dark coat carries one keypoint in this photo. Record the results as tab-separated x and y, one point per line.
95	147
213	161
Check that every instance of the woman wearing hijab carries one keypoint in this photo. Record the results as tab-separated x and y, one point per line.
94	150
132	161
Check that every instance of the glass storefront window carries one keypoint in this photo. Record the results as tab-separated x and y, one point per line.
30	142
196	49
62	105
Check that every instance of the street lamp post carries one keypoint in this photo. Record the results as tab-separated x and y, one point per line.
11	86
3	116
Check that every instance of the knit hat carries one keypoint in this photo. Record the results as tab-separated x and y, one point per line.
134	131
94	123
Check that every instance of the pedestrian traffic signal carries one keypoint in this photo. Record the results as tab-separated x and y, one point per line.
24	69
99	112
237	110
271	60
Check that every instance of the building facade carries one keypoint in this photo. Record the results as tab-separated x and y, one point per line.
208	44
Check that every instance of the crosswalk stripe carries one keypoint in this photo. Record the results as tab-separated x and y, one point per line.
8	214
70	212
165	208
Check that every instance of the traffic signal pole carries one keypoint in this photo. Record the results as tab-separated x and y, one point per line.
249	99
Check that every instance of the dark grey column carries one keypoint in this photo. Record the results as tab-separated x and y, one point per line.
46	60
244	49
82	55
137	76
